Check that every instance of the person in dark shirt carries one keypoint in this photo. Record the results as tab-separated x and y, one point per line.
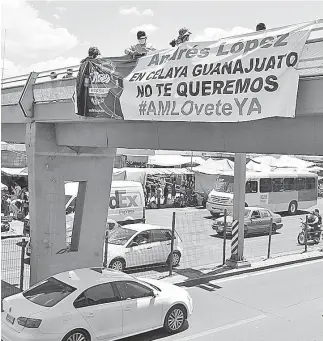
93	53
183	36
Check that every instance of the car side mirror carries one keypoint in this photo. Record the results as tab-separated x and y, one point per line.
154	294
134	244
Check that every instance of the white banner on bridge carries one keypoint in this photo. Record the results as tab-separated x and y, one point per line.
234	79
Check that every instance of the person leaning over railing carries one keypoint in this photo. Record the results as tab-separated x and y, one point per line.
141	49
261	27
183	36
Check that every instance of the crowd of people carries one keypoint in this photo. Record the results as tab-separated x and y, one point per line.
15	202
161	192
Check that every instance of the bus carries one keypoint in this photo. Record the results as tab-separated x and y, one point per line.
279	191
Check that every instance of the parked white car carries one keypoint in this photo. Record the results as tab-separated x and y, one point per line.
93	304
142	244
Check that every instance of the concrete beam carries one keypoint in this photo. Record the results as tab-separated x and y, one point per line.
302	135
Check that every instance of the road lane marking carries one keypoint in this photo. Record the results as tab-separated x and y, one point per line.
264	272
220	329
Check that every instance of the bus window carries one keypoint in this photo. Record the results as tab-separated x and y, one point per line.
278	184
289	184
265	185
300	184
310	183
251	187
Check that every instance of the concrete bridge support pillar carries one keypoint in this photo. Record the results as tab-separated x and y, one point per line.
50	166
237	244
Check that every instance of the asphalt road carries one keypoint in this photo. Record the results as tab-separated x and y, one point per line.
283	304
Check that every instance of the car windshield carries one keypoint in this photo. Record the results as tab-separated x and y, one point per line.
224	183
48	293
120	235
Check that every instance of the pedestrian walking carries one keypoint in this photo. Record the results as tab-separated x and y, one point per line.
165	194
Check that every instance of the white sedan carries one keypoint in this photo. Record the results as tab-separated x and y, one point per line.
91	305
142	244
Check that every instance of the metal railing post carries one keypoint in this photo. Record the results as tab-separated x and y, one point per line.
224	236
306	227
22	264
270	234
172	247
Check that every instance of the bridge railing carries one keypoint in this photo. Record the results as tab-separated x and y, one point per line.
310	64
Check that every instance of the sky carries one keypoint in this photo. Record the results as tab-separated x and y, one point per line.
43	35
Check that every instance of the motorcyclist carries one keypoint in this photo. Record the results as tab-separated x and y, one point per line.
313	222
317	213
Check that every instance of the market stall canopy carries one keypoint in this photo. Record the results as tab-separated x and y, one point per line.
119	174
283	161
15	171
211	166
168	171
173	160
4	187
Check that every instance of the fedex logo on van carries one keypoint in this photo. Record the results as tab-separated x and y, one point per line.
121	200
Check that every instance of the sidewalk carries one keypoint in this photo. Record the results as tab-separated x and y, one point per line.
202	275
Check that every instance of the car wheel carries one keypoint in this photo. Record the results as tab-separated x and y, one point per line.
292	208
246	233
273	228
175	319
117	264
176	258
77	335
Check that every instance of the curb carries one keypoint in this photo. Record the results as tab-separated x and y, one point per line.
12	236
207	278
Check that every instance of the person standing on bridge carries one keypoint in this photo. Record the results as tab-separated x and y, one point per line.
93	53
261	27
141	49
183	37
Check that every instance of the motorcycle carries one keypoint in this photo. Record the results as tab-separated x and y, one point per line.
313	236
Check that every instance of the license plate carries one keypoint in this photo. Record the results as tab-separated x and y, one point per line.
10	319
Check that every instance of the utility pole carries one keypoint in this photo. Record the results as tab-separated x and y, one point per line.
4	53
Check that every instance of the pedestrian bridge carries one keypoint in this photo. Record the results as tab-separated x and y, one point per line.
63	146
52	102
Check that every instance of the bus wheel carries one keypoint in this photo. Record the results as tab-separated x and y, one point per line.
292	208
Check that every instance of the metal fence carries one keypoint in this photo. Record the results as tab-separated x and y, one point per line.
203	249
188	234
14	266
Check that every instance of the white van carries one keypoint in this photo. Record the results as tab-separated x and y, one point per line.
127	201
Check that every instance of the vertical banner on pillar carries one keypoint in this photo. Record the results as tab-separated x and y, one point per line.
235	240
